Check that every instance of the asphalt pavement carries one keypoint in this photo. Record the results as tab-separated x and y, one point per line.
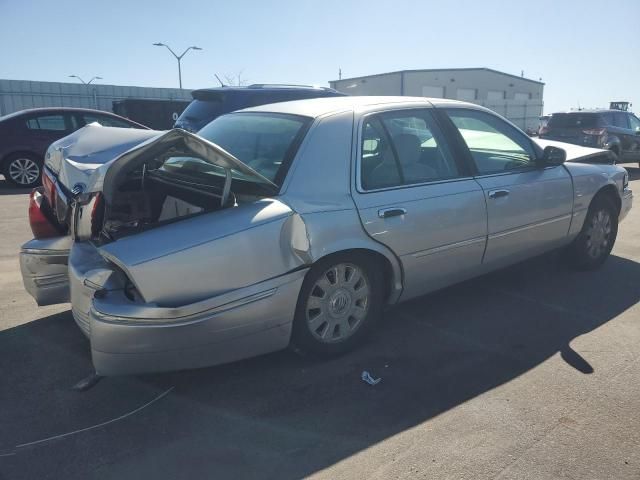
527	373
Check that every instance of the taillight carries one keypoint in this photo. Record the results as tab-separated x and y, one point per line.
41	225
49	188
594	131
89	214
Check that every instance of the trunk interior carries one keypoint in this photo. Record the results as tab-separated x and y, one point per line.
144	202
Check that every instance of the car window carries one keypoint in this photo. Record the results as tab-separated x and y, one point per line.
403	148
376	151
620	120
265	142
607	118
105	120
494	144
47	122
634	122
574	120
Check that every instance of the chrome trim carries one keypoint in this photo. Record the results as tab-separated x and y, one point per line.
450	246
117	308
191	318
529	227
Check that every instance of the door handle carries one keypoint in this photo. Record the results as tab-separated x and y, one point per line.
391	212
498	193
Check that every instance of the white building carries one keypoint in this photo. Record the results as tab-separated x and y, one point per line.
517	98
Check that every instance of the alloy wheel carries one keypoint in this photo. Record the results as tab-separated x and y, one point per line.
24	171
598	235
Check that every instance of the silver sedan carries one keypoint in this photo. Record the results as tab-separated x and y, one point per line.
297	223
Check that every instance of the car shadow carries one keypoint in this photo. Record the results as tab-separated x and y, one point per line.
286	417
7	188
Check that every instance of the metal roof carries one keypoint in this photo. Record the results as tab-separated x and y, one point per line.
485	69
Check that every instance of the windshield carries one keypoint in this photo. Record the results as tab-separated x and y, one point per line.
266	142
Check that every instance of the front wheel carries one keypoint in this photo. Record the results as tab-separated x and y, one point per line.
595	241
23	170
340	301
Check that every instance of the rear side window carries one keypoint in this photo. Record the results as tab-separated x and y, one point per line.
574	120
620	120
403	148
47	122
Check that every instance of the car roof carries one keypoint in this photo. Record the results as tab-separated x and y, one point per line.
591	111
316	107
30	111
266	88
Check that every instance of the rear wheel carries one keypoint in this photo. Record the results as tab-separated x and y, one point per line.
340	301
595	241
616	154
23	170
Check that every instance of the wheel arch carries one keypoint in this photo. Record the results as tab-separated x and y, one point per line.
609	191
392	273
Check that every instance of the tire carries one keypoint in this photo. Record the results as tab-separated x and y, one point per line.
616	155
340	301
593	244
23	170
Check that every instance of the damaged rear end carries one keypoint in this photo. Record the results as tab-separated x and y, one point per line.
73	164
185	258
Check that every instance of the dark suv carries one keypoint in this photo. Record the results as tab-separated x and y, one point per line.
210	103
614	130
26	135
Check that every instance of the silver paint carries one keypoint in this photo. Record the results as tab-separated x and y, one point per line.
224	285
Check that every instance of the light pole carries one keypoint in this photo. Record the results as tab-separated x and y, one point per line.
178	57
86	83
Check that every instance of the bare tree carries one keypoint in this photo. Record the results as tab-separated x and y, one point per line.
236	79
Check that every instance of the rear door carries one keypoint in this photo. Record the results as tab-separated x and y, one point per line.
529	208
46	128
416	196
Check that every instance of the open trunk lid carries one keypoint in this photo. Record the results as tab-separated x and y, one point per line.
185	143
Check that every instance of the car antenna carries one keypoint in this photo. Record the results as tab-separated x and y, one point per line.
221	84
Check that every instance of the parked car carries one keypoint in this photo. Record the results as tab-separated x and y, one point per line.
26	135
296	223
210	103
158	114
614	130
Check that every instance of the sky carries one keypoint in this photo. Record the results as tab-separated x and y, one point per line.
586	51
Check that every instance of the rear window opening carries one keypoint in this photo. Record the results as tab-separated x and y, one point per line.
575	120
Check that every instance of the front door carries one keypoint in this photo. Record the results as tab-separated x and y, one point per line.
416	198
529	207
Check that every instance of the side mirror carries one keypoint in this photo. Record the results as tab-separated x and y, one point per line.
553	156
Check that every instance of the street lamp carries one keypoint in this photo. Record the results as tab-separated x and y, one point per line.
178	57
86	83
